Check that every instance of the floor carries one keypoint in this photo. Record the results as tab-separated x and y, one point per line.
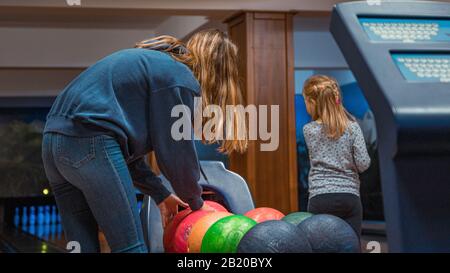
14	240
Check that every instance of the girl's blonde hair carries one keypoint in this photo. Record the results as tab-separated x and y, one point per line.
213	58
325	95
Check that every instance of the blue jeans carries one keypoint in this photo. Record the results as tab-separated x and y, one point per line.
93	189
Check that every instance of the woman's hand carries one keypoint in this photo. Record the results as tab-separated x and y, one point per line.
169	208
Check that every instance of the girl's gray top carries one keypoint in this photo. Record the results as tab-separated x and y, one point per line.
335	164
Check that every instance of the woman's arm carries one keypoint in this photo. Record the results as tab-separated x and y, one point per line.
146	181
177	159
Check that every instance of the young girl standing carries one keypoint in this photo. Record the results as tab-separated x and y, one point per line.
337	153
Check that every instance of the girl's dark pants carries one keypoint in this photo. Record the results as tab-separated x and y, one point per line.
343	205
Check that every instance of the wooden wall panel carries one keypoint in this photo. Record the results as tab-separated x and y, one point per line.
265	43
238	31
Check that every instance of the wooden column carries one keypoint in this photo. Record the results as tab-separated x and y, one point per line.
265	41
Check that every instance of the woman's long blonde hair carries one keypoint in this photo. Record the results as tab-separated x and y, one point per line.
213	59
324	94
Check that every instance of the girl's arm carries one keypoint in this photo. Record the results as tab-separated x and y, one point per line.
307	136
177	159
146	181
360	154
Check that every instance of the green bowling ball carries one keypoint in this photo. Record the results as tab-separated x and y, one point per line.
224	235
296	218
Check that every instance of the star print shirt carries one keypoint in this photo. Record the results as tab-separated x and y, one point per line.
335	164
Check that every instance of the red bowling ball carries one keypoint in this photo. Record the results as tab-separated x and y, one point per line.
178	230
169	231
183	230
264	214
216	206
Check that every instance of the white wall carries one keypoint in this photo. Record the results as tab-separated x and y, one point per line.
40	61
20	82
317	49
62	47
180	26
314	44
316	52
40	55
180	5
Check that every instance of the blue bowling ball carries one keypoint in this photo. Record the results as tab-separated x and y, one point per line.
274	236
330	234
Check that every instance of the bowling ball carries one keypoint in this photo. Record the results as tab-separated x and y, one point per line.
169	231
216	206
178	230
200	227
329	234
183	230
274	237
296	218
224	235
264	214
